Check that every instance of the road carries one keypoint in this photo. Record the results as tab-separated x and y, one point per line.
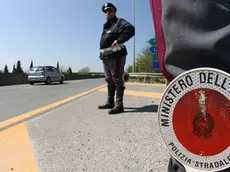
73	135
19	99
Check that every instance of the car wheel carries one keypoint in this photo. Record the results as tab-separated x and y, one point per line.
62	80
48	81
31	83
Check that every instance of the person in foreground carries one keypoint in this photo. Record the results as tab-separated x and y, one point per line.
116	31
191	34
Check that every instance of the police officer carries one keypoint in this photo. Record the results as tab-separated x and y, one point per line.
189	36
116	31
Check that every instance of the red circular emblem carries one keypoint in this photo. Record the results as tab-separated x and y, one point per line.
126	77
194	119
203	129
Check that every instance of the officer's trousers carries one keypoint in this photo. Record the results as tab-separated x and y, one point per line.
114	70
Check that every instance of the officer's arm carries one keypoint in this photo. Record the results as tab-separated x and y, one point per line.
126	30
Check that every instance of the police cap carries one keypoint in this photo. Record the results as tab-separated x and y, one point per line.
107	6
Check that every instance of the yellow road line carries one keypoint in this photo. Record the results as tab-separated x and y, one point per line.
138	93
145	84
16	151
42	109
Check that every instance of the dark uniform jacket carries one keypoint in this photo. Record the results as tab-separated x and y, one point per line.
191	34
116	29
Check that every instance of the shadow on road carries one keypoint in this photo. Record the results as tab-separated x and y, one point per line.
148	108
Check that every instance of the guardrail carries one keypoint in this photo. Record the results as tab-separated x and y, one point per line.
146	76
21	78
151	75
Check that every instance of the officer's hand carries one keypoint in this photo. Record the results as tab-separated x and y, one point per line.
114	43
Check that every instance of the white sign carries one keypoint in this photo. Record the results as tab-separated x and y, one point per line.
194	119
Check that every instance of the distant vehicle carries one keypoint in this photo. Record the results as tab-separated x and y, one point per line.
46	74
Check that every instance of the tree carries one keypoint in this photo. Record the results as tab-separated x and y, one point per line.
69	71
57	65
31	64
143	62
129	69
14	69
6	69
62	69
19	67
84	70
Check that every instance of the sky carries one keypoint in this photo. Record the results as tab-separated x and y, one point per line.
68	31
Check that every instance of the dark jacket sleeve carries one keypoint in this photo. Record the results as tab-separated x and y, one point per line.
191	34
126	30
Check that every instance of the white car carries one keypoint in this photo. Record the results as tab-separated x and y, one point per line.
46	74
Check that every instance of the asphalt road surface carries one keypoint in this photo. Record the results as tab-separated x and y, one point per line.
78	137
19	99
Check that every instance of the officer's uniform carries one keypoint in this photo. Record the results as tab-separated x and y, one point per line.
191	34
114	58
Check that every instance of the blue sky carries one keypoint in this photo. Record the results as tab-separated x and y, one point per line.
67	31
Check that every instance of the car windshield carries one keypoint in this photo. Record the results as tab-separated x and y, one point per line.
37	69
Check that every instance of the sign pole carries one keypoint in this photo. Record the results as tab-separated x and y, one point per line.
134	59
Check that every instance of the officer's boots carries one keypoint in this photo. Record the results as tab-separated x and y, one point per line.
119	108
110	100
